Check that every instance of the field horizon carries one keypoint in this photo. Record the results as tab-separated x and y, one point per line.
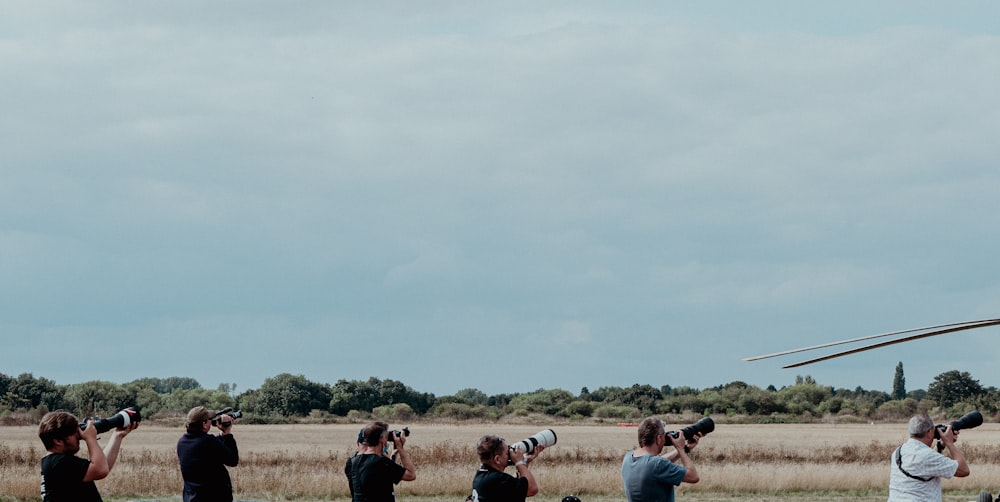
786	462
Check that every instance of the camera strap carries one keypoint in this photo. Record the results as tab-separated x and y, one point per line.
899	463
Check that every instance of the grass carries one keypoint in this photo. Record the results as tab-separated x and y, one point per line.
788	463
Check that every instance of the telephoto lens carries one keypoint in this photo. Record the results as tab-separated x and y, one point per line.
704	426
970	420
545	438
120	420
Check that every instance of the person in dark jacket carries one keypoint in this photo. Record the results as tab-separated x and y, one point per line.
203	457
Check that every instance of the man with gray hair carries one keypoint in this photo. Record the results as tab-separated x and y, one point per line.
648	474
916	469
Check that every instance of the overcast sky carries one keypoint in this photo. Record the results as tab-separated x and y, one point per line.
504	196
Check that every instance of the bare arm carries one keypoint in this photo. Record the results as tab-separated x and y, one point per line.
680	444
948	438
521	465
114	445
404	458
98	462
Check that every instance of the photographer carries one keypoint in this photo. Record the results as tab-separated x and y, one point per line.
916	468
649	476
491	483
203	457
66	477
370	473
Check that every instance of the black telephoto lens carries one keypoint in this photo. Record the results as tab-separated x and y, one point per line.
970	420
704	426
120	420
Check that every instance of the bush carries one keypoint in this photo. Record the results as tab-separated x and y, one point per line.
617	411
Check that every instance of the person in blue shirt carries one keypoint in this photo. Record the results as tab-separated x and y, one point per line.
651	477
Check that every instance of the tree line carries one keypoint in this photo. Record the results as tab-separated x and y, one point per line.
286	397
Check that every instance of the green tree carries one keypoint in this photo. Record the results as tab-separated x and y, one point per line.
292	395
183	400
167	385
472	396
29	392
953	387
97	398
899	383
545	401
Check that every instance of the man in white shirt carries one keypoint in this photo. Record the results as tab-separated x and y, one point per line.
916	468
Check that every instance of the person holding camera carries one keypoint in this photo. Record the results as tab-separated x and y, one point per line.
916	468
203	457
491	483
371	473
66	477
651	477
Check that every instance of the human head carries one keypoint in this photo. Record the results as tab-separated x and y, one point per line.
372	433
196	418
919	425
489	447
59	425
649	429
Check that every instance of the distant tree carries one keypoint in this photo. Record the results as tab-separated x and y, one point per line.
953	387
292	395
550	401
578	408
643	397
472	396
228	388
28	392
808	379
347	395
168	385
899	383
97	398
182	400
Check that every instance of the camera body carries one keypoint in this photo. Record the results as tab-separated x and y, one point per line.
704	426
228	410
393	434
970	420
120	420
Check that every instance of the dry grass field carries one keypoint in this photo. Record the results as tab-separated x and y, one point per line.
790	463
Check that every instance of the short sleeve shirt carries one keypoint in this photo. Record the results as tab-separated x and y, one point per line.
650	478
922	461
372	477
491	485
62	479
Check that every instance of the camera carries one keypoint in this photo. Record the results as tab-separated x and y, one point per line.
228	410
120	420
393	434
970	420
545	438
704	426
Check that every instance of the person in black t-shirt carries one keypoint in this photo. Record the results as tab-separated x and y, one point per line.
66	477
491	483
371	474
